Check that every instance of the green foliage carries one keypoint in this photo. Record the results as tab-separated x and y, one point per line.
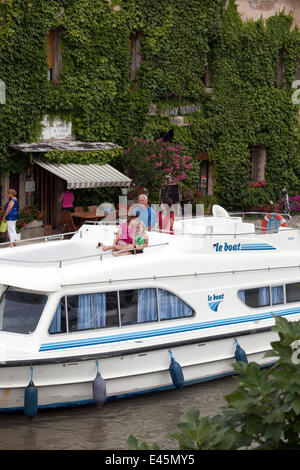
178	40
264	411
83	158
154	163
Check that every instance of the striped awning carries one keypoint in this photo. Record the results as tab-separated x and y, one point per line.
86	176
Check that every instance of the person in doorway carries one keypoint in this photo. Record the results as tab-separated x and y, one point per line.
11	215
67	200
166	216
146	214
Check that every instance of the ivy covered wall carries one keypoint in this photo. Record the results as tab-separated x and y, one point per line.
178	39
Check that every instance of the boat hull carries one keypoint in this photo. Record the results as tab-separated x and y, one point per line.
64	382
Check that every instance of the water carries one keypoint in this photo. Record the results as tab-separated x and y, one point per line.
150	418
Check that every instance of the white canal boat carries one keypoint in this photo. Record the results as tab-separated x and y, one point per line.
69	310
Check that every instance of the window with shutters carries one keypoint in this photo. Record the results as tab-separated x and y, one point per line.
54	55
136	55
258	155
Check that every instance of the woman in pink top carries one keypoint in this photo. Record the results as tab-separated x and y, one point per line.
124	237
67	200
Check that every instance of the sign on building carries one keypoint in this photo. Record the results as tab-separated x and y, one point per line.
56	129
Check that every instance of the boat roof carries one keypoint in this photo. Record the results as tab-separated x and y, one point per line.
51	266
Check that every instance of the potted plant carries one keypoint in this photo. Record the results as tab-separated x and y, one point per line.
30	217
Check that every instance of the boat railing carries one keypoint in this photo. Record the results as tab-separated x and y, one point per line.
45	238
100	256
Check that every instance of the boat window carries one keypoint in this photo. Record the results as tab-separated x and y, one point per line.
293	292
277	295
258	297
20	311
112	309
85	312
170	306
138	306
106	309
59	322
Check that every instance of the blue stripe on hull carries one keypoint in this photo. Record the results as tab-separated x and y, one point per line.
164	331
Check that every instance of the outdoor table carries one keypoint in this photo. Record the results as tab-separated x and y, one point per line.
82	216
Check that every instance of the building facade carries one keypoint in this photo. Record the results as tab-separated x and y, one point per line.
199	72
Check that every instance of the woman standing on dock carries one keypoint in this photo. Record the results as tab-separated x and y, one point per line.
11	216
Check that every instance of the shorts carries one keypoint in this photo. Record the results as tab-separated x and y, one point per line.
122	243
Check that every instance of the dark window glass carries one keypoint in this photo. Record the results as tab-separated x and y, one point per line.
258	297
112	316
128	306
72	310
21	311
293	292
59	322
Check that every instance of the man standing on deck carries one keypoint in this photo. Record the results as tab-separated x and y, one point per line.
145	212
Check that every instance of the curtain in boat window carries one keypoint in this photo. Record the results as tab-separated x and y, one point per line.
55	326
100	309
85	314
91	311
147	305
170	306
242	295
263	296
277	295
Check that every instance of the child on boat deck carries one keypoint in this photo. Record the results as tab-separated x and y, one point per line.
124	237
140	238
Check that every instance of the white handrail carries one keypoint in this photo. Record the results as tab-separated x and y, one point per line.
60	261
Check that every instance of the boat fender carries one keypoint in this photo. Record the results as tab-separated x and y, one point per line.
176	373
240	354
99	388
31	398
271	219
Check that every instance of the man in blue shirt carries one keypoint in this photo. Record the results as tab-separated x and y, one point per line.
145	212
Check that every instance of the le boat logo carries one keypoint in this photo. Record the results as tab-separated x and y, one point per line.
214	301
227	247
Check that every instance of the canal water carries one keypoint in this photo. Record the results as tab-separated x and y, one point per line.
150	418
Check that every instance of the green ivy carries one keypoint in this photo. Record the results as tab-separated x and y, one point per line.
83	158
178	40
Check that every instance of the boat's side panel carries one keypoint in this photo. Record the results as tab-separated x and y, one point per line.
71	383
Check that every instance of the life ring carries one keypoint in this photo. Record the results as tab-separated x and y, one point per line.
272	219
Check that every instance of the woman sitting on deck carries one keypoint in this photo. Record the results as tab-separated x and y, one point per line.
140	240
124	237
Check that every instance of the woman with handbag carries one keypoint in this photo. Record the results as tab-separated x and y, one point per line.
11	216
